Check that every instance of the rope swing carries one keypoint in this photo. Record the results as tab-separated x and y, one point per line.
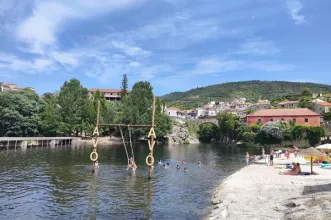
126	151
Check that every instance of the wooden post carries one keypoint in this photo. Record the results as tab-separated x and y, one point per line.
15	144
8	145
150	173
96	137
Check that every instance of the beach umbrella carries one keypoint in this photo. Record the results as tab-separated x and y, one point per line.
324	147
312	153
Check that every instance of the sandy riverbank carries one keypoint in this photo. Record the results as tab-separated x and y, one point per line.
259	192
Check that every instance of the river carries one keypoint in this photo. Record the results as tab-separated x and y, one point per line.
57	183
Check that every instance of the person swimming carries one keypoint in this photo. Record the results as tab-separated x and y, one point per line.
199	164
177	167
160	162
164	166
183	162
185	170
168	164
96	165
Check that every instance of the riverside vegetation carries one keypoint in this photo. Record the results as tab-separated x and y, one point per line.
72	112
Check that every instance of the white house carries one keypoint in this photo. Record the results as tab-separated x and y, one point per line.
176	114
200	112
210	112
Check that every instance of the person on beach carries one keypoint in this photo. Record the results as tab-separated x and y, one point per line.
296	170
272	153
247	158
295	151
263	152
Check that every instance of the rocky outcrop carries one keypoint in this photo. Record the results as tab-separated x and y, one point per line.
181	135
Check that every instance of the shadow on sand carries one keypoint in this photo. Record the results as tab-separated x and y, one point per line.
307	190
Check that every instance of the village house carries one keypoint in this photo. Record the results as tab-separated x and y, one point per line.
111	95
12	87
261	104
322	107
301	116
176	114
288	104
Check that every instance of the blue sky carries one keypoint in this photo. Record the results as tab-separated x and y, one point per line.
175	44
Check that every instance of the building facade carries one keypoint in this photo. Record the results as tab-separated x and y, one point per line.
176	114
12	87
322	107
111	95
301	116
288	104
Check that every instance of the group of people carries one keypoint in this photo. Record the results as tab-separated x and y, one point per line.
296	170
177	166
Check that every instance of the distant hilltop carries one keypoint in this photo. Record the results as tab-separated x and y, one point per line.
251	90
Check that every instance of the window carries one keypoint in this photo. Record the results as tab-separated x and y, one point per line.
306	120
282	119
271	119
259	120
294	120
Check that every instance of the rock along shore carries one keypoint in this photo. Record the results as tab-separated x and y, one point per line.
258	192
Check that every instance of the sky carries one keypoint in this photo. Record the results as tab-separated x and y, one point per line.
176	45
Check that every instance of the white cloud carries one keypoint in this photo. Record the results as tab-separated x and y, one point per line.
13	63
39	30
295	7
258	47
66	58
129	50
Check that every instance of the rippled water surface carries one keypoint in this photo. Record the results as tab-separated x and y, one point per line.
57	183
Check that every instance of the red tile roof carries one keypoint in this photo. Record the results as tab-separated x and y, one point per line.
284	112
106	90
173	108
327	95
324	103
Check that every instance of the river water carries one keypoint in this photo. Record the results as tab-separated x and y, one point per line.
57	183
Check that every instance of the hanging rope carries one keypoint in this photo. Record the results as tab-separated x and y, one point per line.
130	141
124	145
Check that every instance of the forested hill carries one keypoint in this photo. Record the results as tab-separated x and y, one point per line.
252	90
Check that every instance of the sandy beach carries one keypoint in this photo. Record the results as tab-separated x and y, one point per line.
258	192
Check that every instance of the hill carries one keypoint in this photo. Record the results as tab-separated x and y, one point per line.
252	90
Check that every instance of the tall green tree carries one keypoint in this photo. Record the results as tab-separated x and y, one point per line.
306	92
124	87
19	113
74	105
207	132
50	116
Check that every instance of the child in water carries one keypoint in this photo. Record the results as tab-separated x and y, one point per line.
96	165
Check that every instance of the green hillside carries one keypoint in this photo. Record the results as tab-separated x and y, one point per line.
252	90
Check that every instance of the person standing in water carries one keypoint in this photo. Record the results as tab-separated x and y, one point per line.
199	164
272	153
247	158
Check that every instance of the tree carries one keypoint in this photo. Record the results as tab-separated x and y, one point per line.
163	122
228	123
207	132
19	111
74	105
327	116
124	88
306	92
50	116
305	103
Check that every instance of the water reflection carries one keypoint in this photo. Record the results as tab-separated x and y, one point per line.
48	183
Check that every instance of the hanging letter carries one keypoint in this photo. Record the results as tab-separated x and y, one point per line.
151	146
152	133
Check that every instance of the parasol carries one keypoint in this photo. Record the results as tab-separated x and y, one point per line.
324	147
312	153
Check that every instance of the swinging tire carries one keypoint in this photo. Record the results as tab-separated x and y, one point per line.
96	156
150	160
